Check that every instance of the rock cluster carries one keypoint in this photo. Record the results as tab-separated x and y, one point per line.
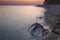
52	18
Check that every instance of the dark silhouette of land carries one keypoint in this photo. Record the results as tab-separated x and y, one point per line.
51	2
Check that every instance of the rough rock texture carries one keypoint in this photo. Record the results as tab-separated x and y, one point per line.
51	36
36	30
52	15
52	18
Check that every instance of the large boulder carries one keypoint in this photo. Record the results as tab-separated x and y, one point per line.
36	30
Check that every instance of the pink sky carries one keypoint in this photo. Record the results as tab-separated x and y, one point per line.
21	1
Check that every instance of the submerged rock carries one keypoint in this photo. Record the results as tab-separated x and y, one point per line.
37	30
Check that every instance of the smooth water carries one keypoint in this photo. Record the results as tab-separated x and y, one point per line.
15	20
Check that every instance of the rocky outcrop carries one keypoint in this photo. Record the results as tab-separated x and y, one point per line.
52	15
51	2
52	18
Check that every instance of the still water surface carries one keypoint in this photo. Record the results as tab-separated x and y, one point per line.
15	20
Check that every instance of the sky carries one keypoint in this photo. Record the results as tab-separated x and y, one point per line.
21	1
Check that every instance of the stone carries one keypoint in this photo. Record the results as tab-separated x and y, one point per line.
36	30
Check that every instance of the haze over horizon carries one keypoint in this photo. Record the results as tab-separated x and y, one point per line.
22	1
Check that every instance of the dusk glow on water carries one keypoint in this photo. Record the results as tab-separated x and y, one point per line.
15	20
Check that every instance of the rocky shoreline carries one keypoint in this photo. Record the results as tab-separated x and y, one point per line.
52	18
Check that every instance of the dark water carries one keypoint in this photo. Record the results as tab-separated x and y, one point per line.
15	20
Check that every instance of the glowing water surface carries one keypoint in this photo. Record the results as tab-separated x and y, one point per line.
15	20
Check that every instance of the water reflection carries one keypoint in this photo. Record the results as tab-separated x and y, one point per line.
16	19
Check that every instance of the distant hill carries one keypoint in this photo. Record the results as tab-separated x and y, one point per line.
51	2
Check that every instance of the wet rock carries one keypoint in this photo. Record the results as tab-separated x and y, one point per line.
56	29
52	18
46	32
51	36
37	30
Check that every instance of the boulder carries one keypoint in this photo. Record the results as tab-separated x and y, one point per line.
37	30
